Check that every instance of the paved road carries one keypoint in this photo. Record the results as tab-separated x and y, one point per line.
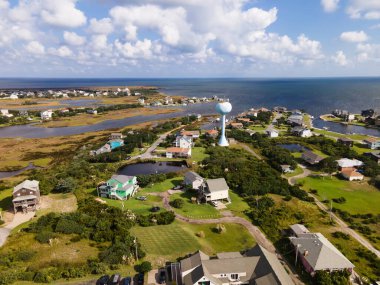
343	226
18	219
253	230
148	153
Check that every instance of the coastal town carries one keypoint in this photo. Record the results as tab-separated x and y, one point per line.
260	197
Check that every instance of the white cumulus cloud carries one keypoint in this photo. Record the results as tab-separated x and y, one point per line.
329	5
102	26
354	36
62	13
340	58
35	47
365	9
73	39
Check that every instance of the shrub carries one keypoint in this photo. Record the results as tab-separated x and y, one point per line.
220	228
177	203
144	267
339	200
44	236
340	235
201	234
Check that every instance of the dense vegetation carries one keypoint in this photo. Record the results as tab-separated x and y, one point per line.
247	175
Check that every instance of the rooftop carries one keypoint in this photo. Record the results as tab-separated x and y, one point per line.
215	185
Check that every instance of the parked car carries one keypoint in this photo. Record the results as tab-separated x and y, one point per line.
140	279
115	279
214	203
162	276
141	198
178	187
128	158
127	281
103	280
155	209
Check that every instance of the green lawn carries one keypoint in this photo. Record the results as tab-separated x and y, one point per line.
5	199
162	186
179	239
296	172
238	205
361	197
137	206
338	135
198	154
191	210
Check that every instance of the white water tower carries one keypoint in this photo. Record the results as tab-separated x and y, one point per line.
223	108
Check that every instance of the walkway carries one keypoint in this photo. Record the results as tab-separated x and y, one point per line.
342	225
18	219
250	150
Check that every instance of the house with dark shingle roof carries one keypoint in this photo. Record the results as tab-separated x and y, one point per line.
310	157
257	267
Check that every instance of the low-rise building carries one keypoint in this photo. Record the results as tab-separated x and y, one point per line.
237	125
46	115
310	157
214	190
116	136
272	133
285	168
173	152
256	267
26	196
351	174
120	187
5	113
372	143
193	134
193	180
374	156
301	132
183	142
316	253
346	141
344	163
212	133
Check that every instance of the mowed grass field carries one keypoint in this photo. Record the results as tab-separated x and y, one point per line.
162	186
137	206
194	210
360	196
179	239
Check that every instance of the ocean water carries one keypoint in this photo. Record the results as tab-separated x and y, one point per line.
315	96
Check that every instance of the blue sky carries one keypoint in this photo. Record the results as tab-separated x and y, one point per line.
192	38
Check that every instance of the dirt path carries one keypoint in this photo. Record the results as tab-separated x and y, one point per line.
341	224
250	150
18	219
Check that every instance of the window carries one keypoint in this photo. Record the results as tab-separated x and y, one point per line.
234	276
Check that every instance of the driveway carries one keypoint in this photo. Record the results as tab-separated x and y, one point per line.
19	218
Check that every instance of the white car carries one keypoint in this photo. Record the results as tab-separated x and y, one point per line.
214	203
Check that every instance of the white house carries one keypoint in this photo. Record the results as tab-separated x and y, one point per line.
173	152
349	163
193	180
272	133
46	115
183	142
302	132
352	175
214	190
13	96
5	113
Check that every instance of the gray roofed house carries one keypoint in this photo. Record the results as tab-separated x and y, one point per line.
214	190
194	180
258	267
318	253
26	195
310	157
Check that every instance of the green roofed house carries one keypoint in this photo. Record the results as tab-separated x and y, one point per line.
120	187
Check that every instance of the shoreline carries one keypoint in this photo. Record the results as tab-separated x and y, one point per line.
324	118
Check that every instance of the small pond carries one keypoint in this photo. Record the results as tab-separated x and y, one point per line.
145	168
293	147
6	174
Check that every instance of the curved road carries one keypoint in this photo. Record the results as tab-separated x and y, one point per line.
343	226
